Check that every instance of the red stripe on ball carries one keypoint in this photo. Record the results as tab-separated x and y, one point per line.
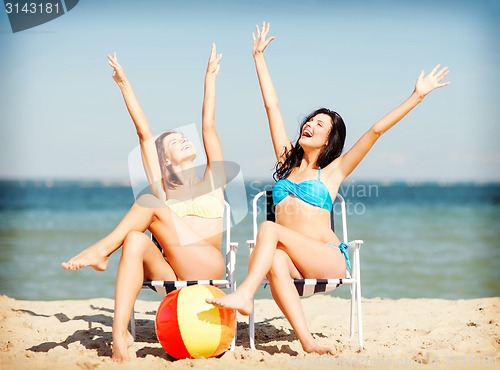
167	327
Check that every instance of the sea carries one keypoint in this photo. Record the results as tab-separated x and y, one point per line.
421	240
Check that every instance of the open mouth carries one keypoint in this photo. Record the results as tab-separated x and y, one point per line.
307	133
187	146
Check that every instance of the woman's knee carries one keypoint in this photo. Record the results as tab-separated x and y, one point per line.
149	201
267	228
134	242
280	265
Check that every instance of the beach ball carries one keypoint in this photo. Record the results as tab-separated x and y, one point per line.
189	327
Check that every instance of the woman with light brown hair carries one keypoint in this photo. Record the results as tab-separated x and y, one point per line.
184	212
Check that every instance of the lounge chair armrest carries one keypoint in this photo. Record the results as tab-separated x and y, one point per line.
251	245
356	244
233	246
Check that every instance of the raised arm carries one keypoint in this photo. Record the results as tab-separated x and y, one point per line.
423	86
211	141
146	139
133	106
281	142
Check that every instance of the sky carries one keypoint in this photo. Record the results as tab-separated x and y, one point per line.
63	117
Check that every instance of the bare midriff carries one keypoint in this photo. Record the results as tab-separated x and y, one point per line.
306	219
210	229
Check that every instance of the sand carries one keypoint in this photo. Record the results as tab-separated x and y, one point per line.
404	333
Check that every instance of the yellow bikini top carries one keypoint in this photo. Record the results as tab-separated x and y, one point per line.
205	206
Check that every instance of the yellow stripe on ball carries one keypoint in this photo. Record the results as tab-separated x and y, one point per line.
199	322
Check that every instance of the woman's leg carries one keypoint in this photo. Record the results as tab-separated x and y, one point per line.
140	259
138	218
287	298
314	259
189	255
187	252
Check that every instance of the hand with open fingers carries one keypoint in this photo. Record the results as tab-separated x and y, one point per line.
213	61
259	38
118	73
425	84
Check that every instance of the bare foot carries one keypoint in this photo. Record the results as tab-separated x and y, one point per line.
88	257
314	347
121	343
236	301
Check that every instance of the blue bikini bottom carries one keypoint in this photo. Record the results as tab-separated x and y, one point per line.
343	248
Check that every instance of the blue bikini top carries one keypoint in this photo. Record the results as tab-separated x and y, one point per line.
313	192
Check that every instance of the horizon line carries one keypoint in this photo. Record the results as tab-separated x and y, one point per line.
50	181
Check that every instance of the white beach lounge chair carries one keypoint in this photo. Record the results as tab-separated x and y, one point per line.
229	281
306	287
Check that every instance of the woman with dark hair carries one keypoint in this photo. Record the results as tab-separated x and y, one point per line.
301	244
184	213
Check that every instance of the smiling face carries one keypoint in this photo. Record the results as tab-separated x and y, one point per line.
315	132
322	131
178	149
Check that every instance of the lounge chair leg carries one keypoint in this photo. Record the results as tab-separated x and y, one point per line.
251	330
353	310
132	324
360	315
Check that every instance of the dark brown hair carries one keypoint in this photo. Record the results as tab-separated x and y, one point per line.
333	150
